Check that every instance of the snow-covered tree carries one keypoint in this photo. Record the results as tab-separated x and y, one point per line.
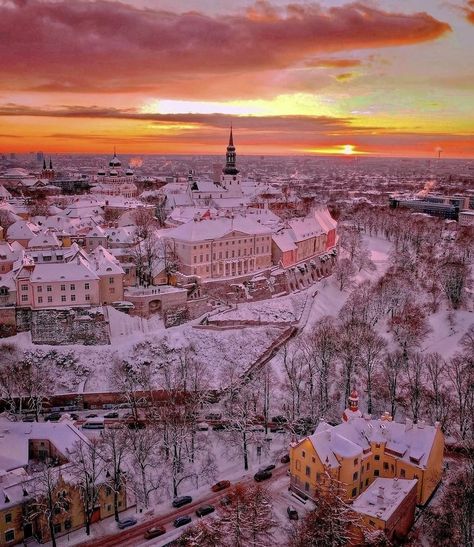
116	447
88	469
344	273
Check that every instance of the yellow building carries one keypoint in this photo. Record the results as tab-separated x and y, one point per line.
361	449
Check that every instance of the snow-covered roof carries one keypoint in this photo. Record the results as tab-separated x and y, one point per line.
383	497
76	270
44	239
8	280
216	228
4	193
123	235
9	252
15	436
104	263
284	241
22	229
409	442
97	231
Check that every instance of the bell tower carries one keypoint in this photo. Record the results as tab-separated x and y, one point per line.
230	178
352	410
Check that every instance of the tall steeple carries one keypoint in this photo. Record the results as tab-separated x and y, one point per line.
230	157
50	162
44	164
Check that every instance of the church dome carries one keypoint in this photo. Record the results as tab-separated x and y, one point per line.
113	173
101	173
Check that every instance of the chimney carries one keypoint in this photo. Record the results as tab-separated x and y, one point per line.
380	495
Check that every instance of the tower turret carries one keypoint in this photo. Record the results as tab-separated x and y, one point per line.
230	157
352	410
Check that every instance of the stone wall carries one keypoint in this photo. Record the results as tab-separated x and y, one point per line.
70	326
7	322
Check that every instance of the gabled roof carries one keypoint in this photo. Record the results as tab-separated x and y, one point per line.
76	270
104	263
22	229
45	239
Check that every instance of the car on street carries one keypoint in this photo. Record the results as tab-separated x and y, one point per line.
218	427
181	521
221	485
155	532
182	500
285	458
205	510
29	418
92	415
53	417
268	467
112	415
262	475
126	523
203	426
292	513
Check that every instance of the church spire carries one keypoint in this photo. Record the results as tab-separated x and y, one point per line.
50	162
44	164
230	157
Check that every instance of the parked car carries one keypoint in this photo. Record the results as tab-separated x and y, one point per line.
92	415
182	500
74	416
202	426
268	467
213	416
54	417
28	418
155	532
125	523
112	415
221	485
218	427
279	420
136	425
292	513
262	475
205	510
285	458
181	521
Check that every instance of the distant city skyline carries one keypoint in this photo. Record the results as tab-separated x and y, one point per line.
379	78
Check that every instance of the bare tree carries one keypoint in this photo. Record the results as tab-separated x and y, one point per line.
50	498
461	376
390	379
414	384
116	449
89	471
454	276
344	273
371	353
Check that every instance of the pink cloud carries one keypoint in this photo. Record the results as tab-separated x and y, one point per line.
80	46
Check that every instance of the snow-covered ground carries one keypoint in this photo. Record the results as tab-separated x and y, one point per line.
282	309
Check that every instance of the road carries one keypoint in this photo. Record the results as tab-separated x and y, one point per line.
134	535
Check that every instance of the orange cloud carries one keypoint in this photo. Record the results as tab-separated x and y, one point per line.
90	45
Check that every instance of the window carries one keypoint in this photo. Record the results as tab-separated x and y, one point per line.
112	290
308	471
24	287
318	477
87	285
88	297
354	492
306	486
303	454
313	459
356	461
9	535
298	465
355	476
63	298
108	491
73	297
366	482
50	299
109	508
67	524
72	287
385	465
111	280
376	472
377	457
24	297
368	466
40	288
8	517
49	288
63	287
40	299
57	528
402	473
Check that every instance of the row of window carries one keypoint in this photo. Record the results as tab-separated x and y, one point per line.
233	255
230	242
72	287
87	298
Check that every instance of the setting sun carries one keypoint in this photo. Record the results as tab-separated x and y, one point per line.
348	149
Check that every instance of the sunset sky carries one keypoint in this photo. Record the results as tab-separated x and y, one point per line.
387	77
